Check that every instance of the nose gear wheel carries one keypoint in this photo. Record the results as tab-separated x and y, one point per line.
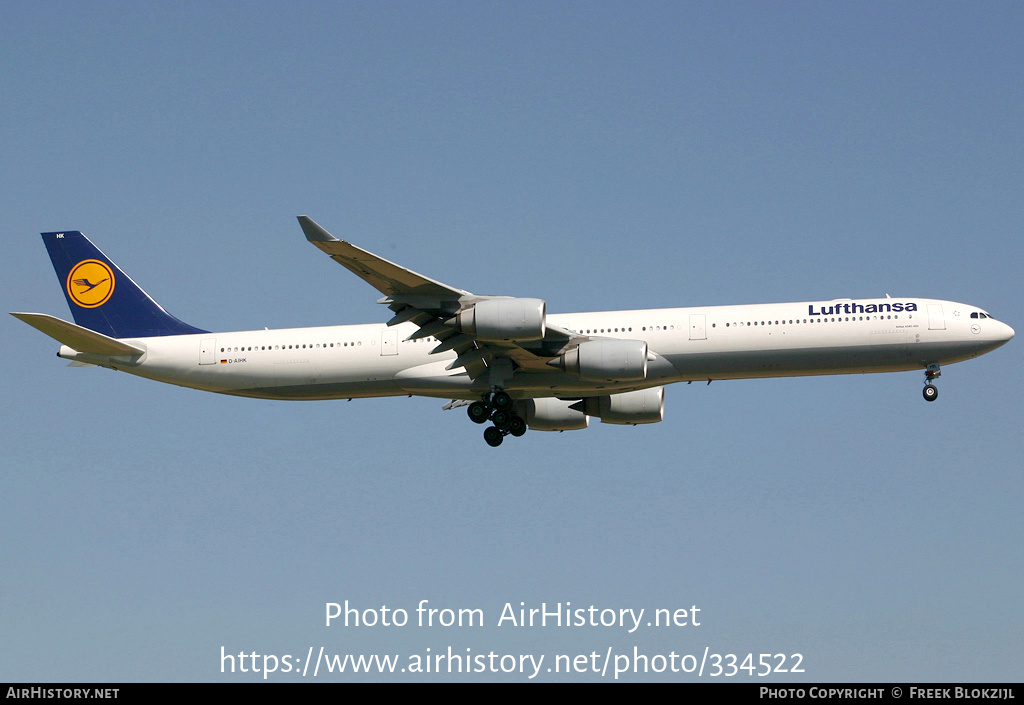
931	373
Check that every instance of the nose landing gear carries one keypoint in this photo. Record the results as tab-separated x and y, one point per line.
496	407
931	392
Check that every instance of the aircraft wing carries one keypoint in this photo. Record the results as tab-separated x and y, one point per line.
386	277
431	305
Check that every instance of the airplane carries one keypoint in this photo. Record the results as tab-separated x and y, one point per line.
511	363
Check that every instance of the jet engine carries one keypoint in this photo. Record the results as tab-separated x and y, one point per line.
627	408
606	360
550	414
501	319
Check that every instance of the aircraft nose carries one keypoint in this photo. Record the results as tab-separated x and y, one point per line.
1007	333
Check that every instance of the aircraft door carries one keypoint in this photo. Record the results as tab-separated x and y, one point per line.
208	351
697	327
389	342
936	321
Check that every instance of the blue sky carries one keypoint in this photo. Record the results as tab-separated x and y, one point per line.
599	156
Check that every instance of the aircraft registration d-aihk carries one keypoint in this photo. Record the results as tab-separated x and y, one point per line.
506	359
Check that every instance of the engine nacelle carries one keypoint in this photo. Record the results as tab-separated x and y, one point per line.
627	408
606	360
550	414
497	320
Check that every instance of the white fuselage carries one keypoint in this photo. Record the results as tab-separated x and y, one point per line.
701	343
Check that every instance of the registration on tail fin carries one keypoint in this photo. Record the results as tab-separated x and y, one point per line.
102	298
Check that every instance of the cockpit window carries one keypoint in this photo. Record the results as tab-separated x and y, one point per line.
978	314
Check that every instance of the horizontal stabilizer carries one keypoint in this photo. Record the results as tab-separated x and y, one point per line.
81	339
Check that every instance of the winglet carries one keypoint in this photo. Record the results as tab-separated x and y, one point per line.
313	231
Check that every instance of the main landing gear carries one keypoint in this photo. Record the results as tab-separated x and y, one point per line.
931	392
496	407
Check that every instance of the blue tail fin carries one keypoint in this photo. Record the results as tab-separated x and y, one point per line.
101	296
